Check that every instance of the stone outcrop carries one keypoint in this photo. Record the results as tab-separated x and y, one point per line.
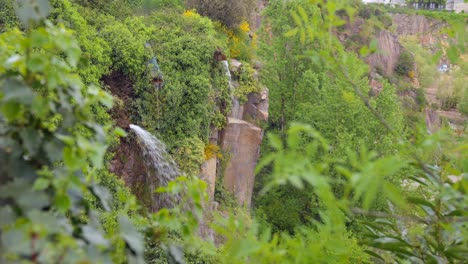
426	29
209	167
390	50
242	140
256	107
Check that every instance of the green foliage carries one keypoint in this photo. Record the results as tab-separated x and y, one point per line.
285	208
8	17
126	40
52	147
405	63
247	82
452	89
189	155
95	61
423	59
195	86
230	13
304	90
44	162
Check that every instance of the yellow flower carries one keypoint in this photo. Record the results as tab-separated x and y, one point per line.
190	13
244	26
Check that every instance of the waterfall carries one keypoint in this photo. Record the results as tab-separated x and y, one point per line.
161	168
226	70
237	110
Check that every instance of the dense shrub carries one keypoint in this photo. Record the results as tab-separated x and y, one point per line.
247	82
96	59
405	63
8	17
230	13
189	155
286	208
195	85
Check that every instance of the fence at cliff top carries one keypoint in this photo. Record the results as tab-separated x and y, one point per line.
160	166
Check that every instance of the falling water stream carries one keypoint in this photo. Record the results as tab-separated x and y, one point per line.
161	167
236	111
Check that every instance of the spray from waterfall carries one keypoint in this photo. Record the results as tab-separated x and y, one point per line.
236	111
161	167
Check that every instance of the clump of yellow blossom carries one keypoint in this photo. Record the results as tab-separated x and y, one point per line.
244	26
212	151
190	13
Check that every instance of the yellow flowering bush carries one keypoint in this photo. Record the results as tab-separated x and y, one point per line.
212	151
190	13
241	46
244	26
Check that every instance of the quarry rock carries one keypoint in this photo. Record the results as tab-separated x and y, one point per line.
256	107
390	48
242	141
209	167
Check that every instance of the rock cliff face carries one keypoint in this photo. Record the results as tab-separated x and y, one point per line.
416	25
127	162
426	29
390	49
209	167
240	139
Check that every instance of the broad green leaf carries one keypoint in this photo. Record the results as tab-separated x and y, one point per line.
62	201
31	140
11	110
41	184
133	238
31	10
33	200
94	236
420	201
275	141
16	90
7	216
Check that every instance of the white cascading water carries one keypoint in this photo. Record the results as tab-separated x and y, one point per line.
226	69
236	110
161	168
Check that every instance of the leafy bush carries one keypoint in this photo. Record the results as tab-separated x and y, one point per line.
128	51
230	13
286	208
96	59
405	63
50	149
247	82
8	17
195	85
189	155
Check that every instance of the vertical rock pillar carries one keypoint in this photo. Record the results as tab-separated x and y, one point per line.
209	167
